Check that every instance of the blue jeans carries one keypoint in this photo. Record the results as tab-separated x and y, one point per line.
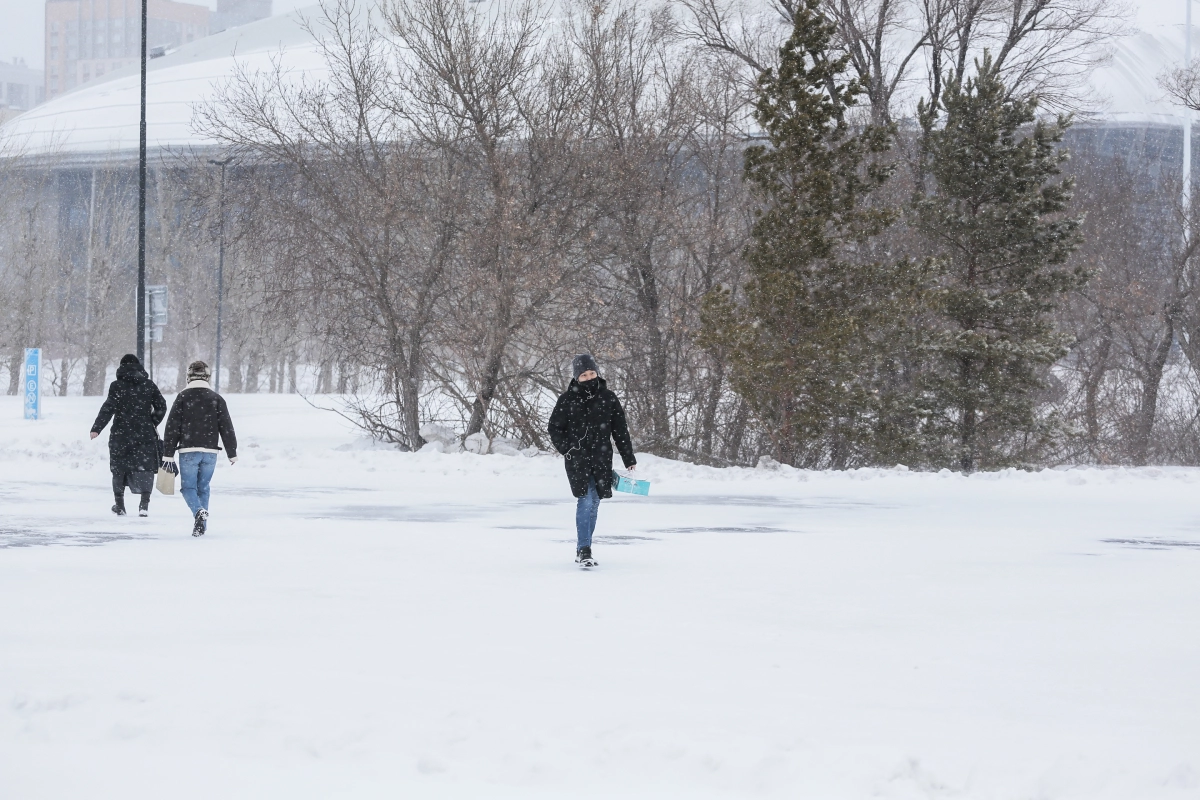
195	472
586	509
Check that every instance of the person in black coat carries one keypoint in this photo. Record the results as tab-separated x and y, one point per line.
135	406
585	422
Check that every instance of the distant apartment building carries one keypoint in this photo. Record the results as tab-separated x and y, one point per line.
21	88
87	38
232	13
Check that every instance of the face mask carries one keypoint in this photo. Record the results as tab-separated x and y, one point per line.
591	385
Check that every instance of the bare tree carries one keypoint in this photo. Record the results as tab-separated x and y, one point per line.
1042	47
643	110
495	94
346	195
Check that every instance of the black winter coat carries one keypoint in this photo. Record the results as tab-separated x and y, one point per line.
583	426
198	416
135	406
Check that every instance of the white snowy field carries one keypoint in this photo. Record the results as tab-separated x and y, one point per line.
364	623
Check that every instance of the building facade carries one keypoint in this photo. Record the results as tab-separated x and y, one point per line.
232	13
21	88
88	38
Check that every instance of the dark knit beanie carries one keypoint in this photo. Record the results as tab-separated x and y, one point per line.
130	358
198	371
581	364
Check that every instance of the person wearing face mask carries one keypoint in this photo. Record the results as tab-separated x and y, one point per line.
585	422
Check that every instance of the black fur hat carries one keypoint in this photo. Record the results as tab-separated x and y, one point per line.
198	371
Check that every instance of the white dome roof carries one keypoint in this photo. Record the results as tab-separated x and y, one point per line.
101	117
1128	84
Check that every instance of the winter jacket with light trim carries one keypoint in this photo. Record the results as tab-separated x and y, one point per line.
583	427
198	416
135	406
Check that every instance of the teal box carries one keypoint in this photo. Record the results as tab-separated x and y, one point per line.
623	483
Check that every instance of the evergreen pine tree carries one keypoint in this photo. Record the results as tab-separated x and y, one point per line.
809	336
994	216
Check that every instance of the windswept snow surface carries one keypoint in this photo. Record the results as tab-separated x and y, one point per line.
365	623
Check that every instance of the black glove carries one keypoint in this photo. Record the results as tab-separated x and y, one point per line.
170	467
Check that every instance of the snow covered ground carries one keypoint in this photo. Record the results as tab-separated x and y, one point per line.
364	623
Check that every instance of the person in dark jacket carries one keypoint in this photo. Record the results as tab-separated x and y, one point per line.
585	422
198	418
135	406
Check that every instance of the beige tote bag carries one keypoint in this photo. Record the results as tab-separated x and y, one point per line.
165	481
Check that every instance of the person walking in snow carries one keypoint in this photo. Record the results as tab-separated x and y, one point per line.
198	417
585	422
135	406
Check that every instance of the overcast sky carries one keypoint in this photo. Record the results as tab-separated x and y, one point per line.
22	21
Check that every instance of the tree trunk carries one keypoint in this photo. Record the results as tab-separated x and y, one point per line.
253	371
64	376
343	382
235	372
708	423
1148	410
487	389
15	365
646	287
412	387
325	376
967	424
737	431
181	371
94	373
1092	384
489	380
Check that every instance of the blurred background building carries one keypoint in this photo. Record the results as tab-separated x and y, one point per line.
232	13
21	88
86	39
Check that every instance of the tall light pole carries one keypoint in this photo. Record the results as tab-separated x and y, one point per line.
220	267
1187	125
141	287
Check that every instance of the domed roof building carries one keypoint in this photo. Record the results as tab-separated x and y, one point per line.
99	121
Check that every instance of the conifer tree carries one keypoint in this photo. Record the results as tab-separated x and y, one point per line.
809	335
994	214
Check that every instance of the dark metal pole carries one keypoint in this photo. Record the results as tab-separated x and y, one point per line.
220	269
141	288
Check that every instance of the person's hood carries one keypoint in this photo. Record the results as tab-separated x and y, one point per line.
131	373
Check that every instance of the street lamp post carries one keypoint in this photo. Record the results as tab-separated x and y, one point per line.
220	267
1187	122
141	287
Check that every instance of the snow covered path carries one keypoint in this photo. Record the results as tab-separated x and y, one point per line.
363	623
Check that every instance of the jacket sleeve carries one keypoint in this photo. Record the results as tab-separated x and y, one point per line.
159	406
620	434
172	432
106	412
559	426
225	427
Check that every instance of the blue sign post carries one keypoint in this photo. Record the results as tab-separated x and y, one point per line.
33	382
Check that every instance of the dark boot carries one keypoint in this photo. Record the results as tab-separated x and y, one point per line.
201	523
583	556
144	506
119	506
